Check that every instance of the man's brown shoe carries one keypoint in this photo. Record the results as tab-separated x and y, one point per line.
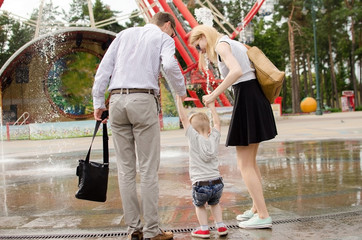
162	236
137	235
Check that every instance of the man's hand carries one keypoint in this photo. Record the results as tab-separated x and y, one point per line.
98	115
182	97
181	111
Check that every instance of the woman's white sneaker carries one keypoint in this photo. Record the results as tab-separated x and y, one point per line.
245	216
256	222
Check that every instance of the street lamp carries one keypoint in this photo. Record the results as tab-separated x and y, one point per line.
318	111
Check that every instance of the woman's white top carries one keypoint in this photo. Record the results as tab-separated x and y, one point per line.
240	53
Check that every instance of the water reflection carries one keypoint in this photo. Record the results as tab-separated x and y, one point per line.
299	179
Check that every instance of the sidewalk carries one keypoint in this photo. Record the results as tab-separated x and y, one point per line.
346	125
307	196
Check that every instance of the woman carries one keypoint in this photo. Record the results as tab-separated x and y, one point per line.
252	120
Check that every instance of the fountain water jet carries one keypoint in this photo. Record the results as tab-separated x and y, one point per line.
2	160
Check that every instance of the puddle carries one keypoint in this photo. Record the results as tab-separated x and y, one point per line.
299	178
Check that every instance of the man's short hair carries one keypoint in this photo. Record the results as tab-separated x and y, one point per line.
161	18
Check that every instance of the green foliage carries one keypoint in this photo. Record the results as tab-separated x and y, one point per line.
21	34
167	101
103	12
359	108
333	27
335	110
70	82
13	35
234	11
135	21
267	39
77	14
77	80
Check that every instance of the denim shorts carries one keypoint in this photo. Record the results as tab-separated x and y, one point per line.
210	194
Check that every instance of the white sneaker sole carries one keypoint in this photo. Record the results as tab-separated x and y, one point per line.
222	233
256	226
200	236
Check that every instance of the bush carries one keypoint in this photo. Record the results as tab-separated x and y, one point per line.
287	111
335	110
359	108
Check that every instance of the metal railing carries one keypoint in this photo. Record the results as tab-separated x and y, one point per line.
25	117
21	120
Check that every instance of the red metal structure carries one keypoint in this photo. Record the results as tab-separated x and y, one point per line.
189	55
185	20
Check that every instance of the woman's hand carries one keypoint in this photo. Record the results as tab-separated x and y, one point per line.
207	99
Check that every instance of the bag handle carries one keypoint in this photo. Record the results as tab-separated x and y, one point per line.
247	46
105	140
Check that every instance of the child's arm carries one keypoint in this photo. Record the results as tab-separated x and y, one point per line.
215	116
182	113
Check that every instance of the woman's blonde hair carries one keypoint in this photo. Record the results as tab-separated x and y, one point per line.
212	36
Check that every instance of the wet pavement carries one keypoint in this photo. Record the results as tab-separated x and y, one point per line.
312	180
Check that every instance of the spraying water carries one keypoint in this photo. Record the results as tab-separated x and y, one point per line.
2	162
1	128
205	16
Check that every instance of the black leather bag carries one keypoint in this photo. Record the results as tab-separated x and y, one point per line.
93	176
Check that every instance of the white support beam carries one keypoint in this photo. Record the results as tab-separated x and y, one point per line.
39	21
91	16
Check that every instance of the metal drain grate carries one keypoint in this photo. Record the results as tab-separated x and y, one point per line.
313	218
66	236
180	230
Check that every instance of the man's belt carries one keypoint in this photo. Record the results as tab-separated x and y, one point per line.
131	90
207	183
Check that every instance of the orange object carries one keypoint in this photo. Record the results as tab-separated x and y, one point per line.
308	105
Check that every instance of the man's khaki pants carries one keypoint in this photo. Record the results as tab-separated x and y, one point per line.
136	135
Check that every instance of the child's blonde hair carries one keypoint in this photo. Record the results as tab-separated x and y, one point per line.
200	122
212	36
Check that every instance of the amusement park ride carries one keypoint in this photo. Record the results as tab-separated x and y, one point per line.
185	21
196	80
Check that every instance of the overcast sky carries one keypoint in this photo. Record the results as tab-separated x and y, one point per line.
24	8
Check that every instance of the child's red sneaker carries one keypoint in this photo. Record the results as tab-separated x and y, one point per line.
200	233
222	231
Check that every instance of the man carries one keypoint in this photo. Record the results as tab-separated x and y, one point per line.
131	67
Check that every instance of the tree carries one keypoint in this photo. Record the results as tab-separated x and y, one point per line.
77	14
328	28
103	12
13	35
352	19
21	34
295	84
5	32
50	18
135	21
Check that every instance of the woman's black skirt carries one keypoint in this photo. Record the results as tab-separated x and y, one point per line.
252	120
